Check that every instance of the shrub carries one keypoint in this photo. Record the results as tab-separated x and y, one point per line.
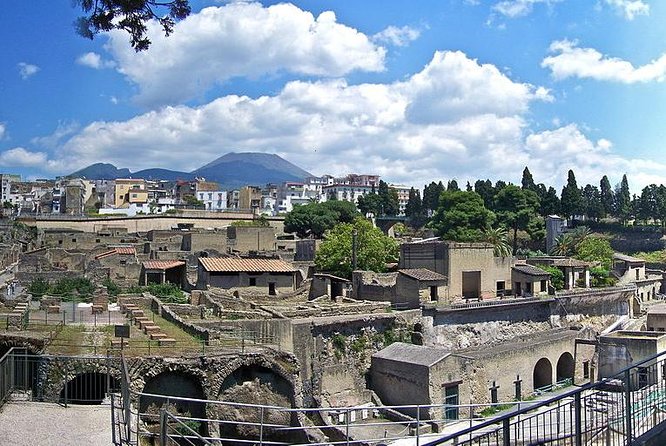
601	277
112	287
38	287
168	292
556	276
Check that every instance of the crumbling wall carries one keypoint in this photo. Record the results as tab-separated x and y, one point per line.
368	285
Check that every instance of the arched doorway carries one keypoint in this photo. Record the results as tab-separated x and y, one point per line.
87	388
256	384
174	384
565	367
543	374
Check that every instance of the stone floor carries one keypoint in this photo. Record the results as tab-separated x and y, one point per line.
44	424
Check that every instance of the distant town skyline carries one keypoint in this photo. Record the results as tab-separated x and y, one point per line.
414	92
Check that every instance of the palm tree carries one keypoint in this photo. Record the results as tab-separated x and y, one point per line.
580	234
565	245
498	237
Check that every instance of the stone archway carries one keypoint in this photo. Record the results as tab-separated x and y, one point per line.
566	367
543	374
89	388
174	384
257	384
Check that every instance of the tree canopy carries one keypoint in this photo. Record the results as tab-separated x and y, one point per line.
130	16
374	249
461	216
314	219
516	208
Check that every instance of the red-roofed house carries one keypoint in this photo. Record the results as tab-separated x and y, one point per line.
163	271
272	274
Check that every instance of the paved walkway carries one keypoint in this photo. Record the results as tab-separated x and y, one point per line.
44	424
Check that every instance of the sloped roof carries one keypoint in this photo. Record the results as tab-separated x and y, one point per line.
162	264
626	258
412	354
423	274
232	264
570	262
126	250
121	250
530	270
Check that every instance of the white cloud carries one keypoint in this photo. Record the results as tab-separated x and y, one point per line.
61	132
554	152
20	157
573	61
455	117
26	70
629	9
519	8
397	36
94	60
3	130
241	39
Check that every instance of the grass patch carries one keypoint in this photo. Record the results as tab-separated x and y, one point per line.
492	410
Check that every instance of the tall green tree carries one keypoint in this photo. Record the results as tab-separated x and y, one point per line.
414	209
606	197
623	200
388	199
461	216
572	199
431	194
486	190
373	249
369	204
452	186
550	203
648	204
592	202
130	16
515	208
528	181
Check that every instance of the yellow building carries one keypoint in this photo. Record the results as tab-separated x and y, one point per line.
130	191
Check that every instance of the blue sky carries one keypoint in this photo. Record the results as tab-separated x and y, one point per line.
414	91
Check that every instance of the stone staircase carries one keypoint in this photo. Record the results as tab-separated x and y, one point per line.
146	324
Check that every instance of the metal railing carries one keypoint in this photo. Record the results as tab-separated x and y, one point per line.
611	412
614	411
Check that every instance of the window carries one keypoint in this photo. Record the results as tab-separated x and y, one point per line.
586	370
543	285
73	240
638	274
96	240
253	281
60	242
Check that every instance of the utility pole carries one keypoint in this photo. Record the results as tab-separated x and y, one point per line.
354	248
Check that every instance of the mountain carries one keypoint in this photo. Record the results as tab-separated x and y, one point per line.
231	171
101	171
234	170
162	174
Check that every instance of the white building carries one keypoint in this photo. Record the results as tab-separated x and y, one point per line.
209	193
403	196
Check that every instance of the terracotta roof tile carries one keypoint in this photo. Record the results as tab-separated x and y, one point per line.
232	264
162	264
126	250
